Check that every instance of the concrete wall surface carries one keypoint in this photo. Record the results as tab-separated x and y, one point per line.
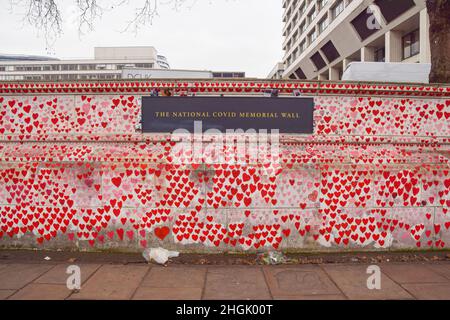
75	174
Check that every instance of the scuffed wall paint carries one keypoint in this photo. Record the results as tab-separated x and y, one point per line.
75	173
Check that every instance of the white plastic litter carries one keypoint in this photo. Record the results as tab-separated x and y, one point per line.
47	258
159	255
272	258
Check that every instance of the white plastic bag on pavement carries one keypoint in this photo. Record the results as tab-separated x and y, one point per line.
159	255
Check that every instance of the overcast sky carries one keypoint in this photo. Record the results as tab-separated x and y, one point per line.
221	35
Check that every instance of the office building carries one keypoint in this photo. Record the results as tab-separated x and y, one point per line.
108	63
322	37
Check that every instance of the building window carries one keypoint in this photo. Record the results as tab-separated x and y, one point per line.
303	28
69	67
323	24
337	9
411	44
147	65
302	46
295	36
312	36
322	4
380	55
302	9
312	15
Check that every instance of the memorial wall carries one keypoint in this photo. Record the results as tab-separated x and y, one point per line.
77	172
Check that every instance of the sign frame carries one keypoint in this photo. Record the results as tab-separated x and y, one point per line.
290	115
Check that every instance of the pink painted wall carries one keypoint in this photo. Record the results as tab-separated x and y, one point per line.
374	175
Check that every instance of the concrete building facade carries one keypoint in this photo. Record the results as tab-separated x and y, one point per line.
141	73
108	63
323	37
277	72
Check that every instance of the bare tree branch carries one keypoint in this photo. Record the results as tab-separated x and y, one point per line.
90	10
46	16
144	15
148	11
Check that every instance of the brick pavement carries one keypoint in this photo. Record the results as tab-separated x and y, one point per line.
25	281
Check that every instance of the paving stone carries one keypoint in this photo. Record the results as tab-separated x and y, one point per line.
429	291
352	280
36	291
150	293
236	283
175	277
17	276
416	273
58	275
299	281
443	269
5	294
314	297
112	282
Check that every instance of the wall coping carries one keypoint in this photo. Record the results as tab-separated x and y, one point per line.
228	86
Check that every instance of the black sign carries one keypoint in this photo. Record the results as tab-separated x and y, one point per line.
167	114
